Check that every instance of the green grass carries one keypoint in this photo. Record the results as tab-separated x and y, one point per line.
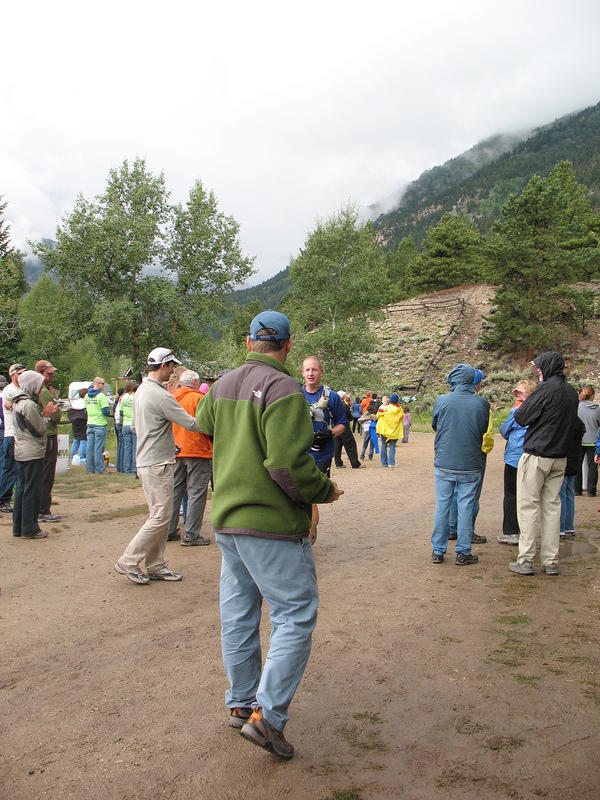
119	513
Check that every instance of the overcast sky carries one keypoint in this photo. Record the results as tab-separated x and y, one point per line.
285	110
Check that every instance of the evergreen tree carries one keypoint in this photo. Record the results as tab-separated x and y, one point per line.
338	282
542	241
451	255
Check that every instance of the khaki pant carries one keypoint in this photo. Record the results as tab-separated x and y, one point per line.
150	541
538	505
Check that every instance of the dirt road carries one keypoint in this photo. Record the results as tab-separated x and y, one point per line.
424	681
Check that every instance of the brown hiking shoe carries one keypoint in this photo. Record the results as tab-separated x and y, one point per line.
258	731
239	715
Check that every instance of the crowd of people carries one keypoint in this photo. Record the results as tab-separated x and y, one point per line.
266	445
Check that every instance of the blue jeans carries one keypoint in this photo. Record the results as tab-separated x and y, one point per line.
96	440
119	435
367	442
452	521
384	451
8	474
78	448
567	503
283	573
446	483
129	440
392	452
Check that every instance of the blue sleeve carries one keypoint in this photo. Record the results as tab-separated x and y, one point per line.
336	408
106	411
508	424
598	442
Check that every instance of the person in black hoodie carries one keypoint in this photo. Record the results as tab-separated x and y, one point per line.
550	414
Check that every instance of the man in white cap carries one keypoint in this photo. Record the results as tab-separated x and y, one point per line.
8	476
154	411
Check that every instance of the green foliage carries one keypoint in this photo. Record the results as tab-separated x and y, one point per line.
338	282
451	255
107	255
537	247
400	267
268	294
12	286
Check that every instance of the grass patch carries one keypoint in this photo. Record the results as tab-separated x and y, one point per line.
118	513
510	653
361	736
449	640
352	793
498	743
513	619
527	680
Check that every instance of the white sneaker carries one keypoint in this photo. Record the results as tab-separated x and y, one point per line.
508	539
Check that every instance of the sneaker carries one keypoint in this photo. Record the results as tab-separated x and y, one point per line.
477	539
462	559
165	574
174	536
550	569
134	574
36	535
563	536
452	536
569	534
356	466
509	538
340	466
49	517
192	541
6	508
526	568
437	558
239	716
258	731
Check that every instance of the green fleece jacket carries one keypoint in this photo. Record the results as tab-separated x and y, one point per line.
264	479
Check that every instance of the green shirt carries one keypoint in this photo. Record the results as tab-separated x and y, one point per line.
126	408
94	406
46	395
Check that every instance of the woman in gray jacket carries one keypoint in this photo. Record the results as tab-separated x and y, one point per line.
589	413
30	450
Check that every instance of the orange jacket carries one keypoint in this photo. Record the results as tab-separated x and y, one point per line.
193	445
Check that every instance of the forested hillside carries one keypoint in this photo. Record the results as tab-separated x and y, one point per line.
466	185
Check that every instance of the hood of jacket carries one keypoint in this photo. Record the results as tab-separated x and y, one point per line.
181	391
550	363
461	377
93	392
588	403
31	382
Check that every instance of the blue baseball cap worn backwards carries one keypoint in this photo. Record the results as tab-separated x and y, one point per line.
277	326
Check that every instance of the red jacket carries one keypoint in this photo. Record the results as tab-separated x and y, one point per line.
193	445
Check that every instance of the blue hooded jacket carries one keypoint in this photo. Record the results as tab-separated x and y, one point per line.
460	418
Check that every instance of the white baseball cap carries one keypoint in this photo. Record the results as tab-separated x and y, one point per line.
160	356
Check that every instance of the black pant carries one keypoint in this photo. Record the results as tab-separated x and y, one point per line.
349	442
49	472
26	505
510	522
587	452
355	424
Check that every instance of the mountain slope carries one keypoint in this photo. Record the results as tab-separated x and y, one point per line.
480	189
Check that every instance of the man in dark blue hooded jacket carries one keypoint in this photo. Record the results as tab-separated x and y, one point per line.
460	419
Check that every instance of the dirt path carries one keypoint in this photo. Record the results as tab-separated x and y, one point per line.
424	681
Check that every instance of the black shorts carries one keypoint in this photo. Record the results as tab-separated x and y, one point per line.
324	466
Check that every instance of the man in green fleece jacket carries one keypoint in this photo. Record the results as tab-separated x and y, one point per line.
264	485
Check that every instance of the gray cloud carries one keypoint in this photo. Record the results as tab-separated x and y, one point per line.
286	112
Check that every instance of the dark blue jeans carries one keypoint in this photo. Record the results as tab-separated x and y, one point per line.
9	470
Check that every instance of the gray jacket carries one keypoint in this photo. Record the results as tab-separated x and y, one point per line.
154	411
589	414
30	428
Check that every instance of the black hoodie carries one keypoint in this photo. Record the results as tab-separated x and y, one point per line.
550	411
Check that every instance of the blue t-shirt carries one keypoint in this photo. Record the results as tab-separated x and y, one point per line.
332	415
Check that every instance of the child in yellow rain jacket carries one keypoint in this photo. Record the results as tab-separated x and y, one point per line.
389	427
